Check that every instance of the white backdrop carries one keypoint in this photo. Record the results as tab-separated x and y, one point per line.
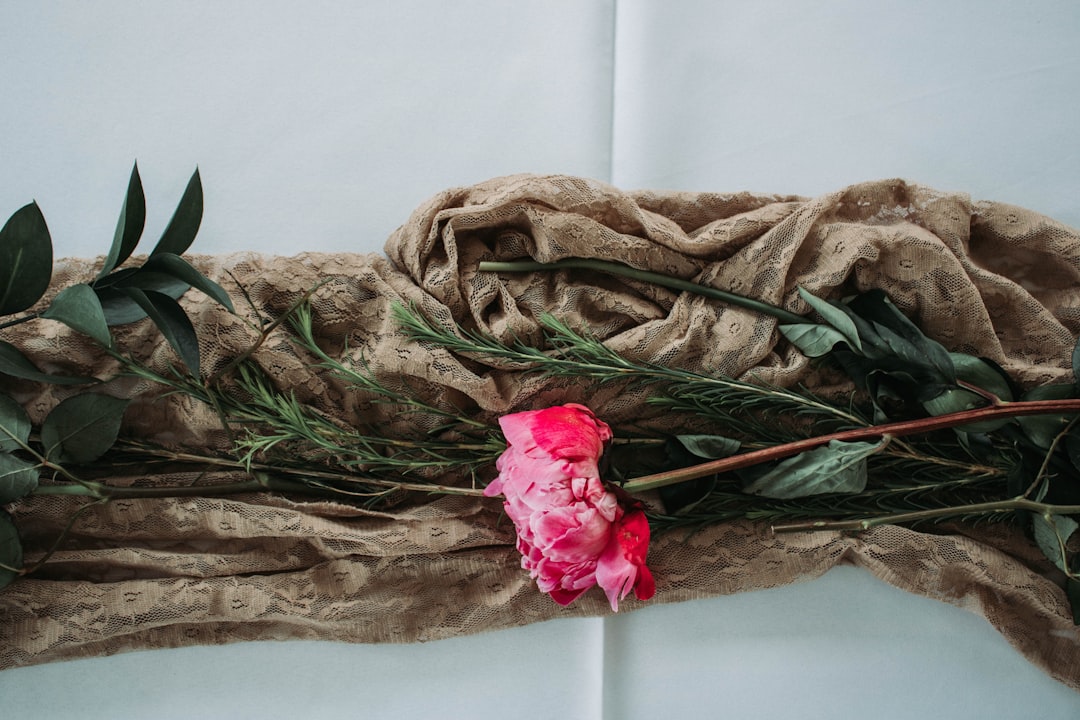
319	126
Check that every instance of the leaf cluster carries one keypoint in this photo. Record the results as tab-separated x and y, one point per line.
81	428
118	294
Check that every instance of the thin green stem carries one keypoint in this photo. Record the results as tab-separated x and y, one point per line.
984	508
19	320
612	268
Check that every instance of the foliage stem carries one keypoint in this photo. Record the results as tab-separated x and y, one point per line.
985	508
644	275
896	429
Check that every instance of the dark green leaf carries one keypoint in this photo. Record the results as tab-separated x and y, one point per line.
14	425
129	227
813	340
984	374
173	323
1052	532
11	554
1076	365
26	258
834	317
78	307
18	478
1042	429
710	447
184	225
958	400
15	364
82	428
118	306
891	330
1072	591
683	496
839	467
1072	447
953	400
922	354
180	269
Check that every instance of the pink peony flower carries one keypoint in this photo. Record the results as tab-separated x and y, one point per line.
572	531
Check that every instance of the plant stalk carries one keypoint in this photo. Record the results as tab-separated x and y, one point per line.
985	508
613	268
873	432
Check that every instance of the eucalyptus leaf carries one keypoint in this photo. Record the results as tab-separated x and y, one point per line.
839	467
834	317
129	226
813	340
173	323
1052	532
709	447
18	478
11	554
15	364
82	428
26	258
180	269
78	307
184	225
14	425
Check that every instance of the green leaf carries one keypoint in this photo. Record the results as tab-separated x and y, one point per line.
180	269
173	323
1072	591
18	478
78	307
1042	429
834	317
958	400
184	225
1076	365
710	447
895	334
15	364
11	554
14	425
26	258
118	306
1052	532
129	227
983	373
813	340
839	467
82	428
978	372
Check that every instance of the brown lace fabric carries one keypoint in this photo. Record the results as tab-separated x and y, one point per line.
981	277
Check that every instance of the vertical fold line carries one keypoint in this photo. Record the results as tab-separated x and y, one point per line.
613	70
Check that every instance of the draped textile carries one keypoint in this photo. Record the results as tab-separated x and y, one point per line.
981	277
